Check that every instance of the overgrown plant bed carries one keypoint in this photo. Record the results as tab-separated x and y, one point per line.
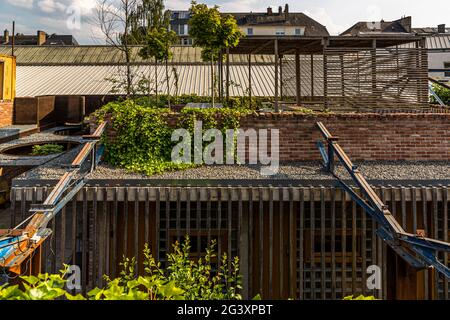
143	132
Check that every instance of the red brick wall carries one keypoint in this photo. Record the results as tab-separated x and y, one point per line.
6	113
363	136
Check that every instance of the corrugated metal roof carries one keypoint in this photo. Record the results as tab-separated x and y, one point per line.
93	80
107	55
433	42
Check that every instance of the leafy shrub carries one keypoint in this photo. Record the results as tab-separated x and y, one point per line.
46	149
182	279
143	134
442	93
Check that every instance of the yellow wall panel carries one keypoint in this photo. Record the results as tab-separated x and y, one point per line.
7	78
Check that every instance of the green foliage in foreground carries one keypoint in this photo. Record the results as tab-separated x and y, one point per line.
182	279
442	93
360	297
46	149
143	133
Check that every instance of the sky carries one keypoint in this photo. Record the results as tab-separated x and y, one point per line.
77	17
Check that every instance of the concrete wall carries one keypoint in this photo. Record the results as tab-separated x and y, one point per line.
34	110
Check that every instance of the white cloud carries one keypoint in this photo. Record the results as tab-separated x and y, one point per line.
321	15
49	6
28	4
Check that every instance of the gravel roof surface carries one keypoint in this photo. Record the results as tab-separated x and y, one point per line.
299	171
45	136
373	170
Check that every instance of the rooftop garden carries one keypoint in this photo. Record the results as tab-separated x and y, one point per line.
143	141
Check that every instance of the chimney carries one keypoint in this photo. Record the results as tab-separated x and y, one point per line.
286	11
41	38
6	36
269	11
280	10
441	28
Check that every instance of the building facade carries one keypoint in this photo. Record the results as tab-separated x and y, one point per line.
41	38
269	23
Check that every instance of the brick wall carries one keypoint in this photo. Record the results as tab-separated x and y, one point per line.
6	113
363	136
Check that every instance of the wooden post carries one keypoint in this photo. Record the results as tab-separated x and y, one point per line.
281	77
325	75
297	76
276	75
312	76
13	38
227	85
250	80
374	71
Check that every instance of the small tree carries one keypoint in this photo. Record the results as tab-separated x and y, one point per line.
212	32
158	38
115	20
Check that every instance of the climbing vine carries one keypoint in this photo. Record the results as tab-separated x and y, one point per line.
143	132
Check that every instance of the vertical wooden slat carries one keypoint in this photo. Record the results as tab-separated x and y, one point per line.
374	242
167	203
208	214
354	264
271	191
63	237
198	218
125	222
344	244
250	238
94	237
280	240
114	227
219	224
393	202
53	245
301	217
188	215
445	235
261	241
322	242
178	215
383	254
425	227
230	222
136	228
363	250
403	204
292	236
12	211
414	209
84	242
312	227
23	204
158	222
73	245
104	269
147	216
435	234
333	242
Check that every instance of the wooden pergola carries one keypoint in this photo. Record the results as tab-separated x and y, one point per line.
355	55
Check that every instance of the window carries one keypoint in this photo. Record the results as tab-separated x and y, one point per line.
181	29
298	31
447	67
280	32
249	31
186	41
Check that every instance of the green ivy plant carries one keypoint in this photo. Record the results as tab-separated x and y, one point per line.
143	134
360	297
